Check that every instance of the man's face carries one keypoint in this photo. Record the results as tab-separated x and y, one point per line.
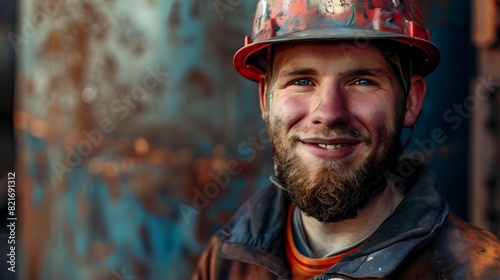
334	114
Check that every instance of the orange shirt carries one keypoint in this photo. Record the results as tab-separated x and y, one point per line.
302	266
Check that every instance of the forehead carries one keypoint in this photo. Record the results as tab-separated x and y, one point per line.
340	54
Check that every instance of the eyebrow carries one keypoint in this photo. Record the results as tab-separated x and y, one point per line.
367	72
297	71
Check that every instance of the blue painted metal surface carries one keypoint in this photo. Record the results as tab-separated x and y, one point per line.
138	139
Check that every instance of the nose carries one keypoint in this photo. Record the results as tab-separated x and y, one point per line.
330	107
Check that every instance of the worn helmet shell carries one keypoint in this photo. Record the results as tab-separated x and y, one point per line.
359	20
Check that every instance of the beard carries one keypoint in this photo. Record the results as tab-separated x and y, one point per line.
334	191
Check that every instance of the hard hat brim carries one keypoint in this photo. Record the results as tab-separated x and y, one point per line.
245	59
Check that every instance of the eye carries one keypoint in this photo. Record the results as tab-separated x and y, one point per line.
363	82
302	82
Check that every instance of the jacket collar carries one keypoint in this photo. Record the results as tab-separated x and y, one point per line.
415	221
255	233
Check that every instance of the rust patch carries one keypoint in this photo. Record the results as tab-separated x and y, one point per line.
200	79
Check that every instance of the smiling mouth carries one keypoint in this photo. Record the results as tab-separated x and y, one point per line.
332	147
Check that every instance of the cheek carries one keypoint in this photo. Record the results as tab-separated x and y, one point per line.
377	113
289	110
381	126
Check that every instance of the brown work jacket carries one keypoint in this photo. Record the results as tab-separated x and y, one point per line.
420	240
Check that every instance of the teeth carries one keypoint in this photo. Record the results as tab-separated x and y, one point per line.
331	147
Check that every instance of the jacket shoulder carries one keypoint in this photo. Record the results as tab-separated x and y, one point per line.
259	220
249	246
211	266
461	249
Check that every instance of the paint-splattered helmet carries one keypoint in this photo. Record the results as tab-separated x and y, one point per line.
359	20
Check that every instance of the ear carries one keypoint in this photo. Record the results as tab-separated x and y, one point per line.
415	100
263	96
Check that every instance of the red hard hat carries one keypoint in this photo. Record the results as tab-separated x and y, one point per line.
301	20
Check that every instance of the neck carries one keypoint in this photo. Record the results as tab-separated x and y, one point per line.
329	237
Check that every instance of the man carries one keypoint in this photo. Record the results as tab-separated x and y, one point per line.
338	80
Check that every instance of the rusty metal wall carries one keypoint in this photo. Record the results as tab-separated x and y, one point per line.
485	92
133	130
